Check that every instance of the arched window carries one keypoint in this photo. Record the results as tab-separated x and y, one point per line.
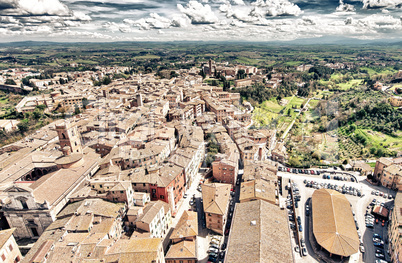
23	202
63	136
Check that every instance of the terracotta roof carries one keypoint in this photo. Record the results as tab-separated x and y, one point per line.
187	226
333	224
215	197
380	210
259	233
96	206
151	210
258	189
138	250
182	250
5	235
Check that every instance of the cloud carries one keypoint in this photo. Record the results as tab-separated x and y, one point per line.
373	4
33	7
277	8
155	21
198	13
345	7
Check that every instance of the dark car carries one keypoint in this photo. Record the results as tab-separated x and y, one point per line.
222	255
211	259
298	220
377	236
379	245
223	247
318	173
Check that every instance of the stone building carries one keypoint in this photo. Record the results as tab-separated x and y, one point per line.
216	198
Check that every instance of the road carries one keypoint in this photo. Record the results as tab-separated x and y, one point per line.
359	205
291	125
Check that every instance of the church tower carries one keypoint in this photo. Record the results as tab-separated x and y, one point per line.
69	137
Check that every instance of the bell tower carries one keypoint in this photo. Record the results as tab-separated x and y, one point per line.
69	137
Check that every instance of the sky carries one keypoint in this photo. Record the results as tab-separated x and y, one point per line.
198	20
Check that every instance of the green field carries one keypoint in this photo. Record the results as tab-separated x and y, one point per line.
379	139
263	117
271	105
350	84
382	71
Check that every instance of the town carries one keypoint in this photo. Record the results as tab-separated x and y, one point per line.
174	167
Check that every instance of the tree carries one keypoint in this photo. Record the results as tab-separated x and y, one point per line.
41	107
241	74
10	82
202	74
106	80
85	102
23	126
77	110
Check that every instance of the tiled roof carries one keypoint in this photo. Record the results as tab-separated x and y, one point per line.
187	226
333	224
259	233
5	235
182	250
215	197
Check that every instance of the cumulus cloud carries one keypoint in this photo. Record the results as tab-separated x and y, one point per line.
198	13
155	21
278	7
345	7
43	17
372	4
33	7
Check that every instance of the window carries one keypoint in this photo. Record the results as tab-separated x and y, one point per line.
121	192
10	247
3	257
24	204
17	259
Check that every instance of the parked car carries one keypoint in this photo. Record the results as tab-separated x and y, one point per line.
380	256
300	228
375	235
223	246
214	246
304	251
297	249
379	245
361	247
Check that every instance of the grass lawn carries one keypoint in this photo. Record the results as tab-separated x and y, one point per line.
384	71
293	63
263	117
148	56
352	83
379	139
271	105
3	100
313	104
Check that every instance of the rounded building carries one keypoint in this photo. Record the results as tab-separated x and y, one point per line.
333	224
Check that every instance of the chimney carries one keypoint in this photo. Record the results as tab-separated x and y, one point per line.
66	150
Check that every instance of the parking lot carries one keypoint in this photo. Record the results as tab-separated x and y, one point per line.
359	194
